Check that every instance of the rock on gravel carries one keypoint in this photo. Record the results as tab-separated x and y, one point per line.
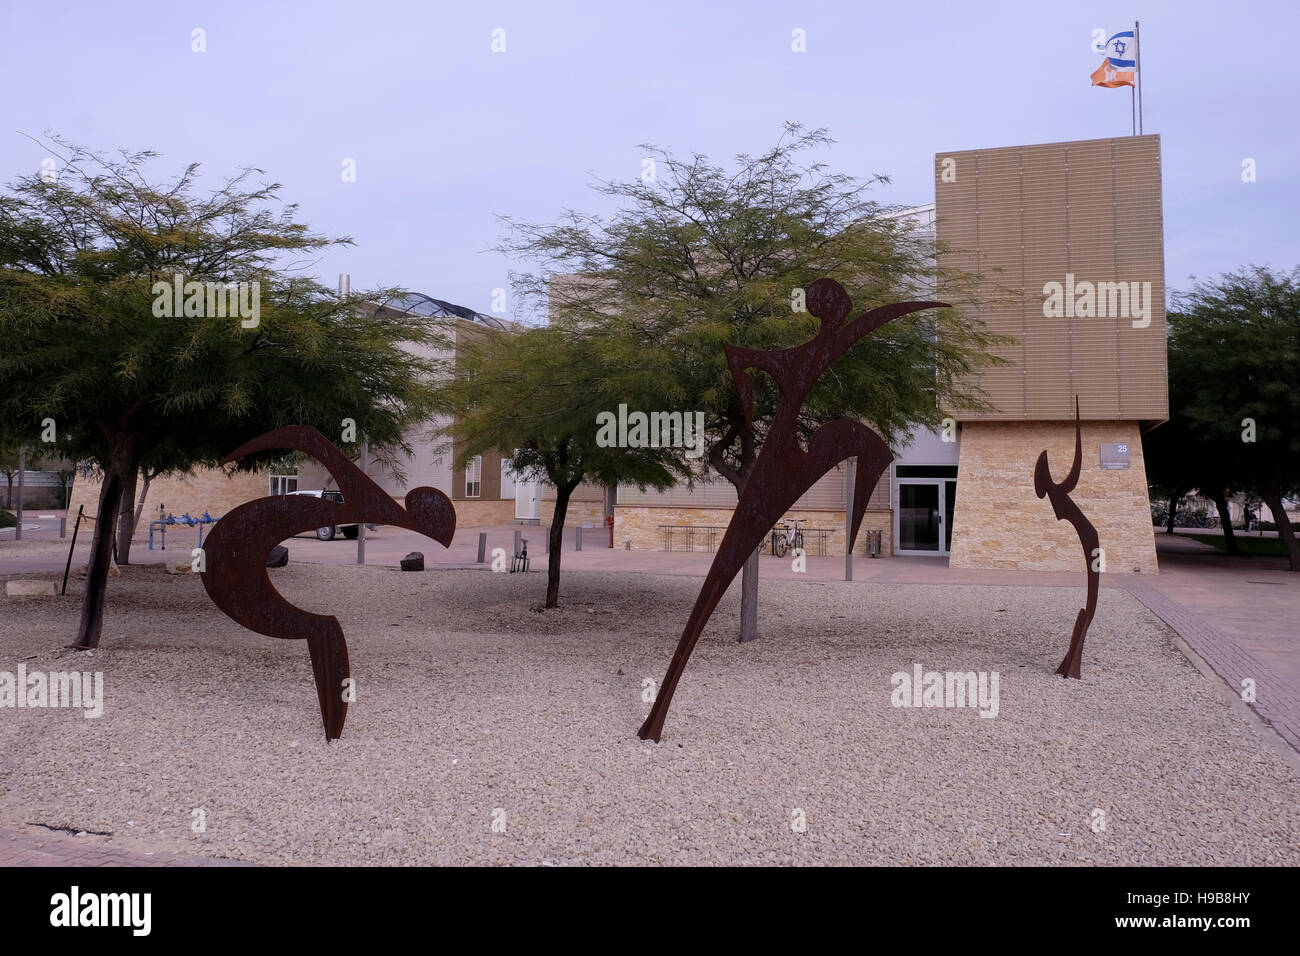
31	589
484	733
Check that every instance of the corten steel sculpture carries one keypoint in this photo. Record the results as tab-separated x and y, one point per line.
784	470
236	550
1066	509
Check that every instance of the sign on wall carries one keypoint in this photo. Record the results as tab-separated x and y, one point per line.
1114	457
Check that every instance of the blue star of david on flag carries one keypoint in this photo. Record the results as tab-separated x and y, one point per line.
1121	50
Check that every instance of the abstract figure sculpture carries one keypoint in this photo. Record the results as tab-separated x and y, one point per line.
236	550
784	470
1066	509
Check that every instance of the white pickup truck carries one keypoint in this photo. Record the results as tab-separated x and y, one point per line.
328	532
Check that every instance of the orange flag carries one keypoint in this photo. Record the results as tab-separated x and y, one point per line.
1108	75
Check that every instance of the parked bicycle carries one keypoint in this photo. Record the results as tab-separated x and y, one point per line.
786	538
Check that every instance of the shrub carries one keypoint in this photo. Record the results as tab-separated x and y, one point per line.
7	519
1195	519
1182	519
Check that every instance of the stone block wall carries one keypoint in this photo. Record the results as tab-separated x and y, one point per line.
579	513
484	512
211	489
207	489
643	527
1000	522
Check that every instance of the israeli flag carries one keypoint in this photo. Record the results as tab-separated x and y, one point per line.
1121	50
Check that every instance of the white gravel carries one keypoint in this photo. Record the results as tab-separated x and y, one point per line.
470	703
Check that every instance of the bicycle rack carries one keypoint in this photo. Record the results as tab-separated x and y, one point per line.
520	560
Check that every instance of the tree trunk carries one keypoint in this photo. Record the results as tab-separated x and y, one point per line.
749	599
1173	513
1284	530
121	462
126	517
1225	520
144	492
101	551
562	493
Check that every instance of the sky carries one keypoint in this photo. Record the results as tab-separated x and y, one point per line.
447	134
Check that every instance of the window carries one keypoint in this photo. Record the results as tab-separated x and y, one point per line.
284	484
925	471
473	476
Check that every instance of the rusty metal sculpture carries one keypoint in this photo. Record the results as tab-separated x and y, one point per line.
235	555
1059	495
784	470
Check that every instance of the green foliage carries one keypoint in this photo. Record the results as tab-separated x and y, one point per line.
1245	544
1234	354
1234	368
535	396
704	256
7	519
78	262
130	384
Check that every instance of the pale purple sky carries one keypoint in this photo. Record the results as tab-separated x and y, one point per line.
446	134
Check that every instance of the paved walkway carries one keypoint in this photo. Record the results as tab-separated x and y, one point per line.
53	849
1241	615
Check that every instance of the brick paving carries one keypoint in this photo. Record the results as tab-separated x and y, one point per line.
1276	699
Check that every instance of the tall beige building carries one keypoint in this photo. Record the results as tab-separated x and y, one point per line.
1068	241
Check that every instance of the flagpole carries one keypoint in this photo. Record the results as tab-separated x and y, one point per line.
1137	40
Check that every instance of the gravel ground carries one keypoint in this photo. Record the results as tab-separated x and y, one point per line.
469	703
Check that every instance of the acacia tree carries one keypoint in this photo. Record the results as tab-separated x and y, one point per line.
11	454
534	396
23	449
1176	463
1234	371
129	389
698	256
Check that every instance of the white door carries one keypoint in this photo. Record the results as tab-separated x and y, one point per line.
526	493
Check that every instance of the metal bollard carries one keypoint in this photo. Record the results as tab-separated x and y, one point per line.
518	535
578	546
63	527
482	545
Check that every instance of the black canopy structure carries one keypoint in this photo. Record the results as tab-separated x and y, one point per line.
421	304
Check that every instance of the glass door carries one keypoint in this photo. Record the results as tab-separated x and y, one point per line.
924	519
920	520
949	505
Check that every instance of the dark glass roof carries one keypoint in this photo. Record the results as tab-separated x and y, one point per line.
421	304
